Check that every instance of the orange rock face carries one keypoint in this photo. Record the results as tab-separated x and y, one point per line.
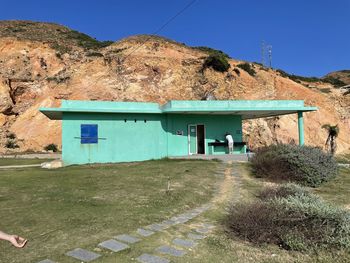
36	74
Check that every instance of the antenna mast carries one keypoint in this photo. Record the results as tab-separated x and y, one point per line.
263	53
266	50
269	50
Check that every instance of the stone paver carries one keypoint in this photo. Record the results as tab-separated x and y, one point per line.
83	255
202	230
155	227
195	236
144	232
168	222
171	251
147	258
179	220
184	242
113	245
46	261
128	239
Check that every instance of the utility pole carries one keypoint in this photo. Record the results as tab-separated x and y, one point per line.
263	53
266	50
269	50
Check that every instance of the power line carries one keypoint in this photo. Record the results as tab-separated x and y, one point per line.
147	39
155	32
163	26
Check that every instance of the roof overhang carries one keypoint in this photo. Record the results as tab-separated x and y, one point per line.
247	109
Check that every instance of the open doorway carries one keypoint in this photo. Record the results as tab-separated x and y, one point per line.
200	139
196	139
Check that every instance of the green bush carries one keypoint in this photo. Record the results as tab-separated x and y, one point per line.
86	41
282	191
302	164
329	79
325	90
11	136
11	144
297	78
296	220
51	147
334	81
248	68
217	62
212	51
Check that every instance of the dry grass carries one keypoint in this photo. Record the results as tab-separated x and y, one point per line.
80	206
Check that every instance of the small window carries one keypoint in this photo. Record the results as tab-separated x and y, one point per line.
89	133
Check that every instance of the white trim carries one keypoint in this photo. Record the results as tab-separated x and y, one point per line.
189	140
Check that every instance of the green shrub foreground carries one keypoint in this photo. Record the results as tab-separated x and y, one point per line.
305	165
293	218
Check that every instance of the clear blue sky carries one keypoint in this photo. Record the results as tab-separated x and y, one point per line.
309	37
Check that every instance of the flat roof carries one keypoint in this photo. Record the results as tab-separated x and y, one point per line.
248	109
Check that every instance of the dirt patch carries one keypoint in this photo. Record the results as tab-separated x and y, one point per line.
226	187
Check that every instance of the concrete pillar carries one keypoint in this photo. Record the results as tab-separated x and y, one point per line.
301	127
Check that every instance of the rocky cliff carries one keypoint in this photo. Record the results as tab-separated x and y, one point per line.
43	63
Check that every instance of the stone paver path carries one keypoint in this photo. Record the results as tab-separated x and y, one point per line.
113	245
144	232
46	261
155	227
83	255
147	258
128	239
171	251
184	242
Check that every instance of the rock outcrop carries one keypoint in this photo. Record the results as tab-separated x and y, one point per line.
41	64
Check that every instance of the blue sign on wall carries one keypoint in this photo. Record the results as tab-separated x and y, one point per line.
89	133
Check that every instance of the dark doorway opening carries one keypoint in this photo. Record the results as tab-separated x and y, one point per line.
200	139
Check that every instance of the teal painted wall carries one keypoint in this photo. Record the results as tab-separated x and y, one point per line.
119	141
215	128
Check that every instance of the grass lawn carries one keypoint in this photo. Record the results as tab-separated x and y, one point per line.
20	161
80	206
337	190
221	247
343	158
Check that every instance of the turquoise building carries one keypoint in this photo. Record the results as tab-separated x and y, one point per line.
102	132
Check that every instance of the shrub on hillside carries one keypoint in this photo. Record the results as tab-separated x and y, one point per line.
11	144
302	164
334	81
217	62
296	220
212	51
248	68
11	136
51	147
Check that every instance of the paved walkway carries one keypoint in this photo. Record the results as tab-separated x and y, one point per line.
33	156
223	157
20	166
